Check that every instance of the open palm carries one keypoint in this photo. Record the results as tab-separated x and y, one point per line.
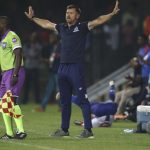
116	9
30	12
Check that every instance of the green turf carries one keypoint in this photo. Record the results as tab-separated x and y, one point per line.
40	125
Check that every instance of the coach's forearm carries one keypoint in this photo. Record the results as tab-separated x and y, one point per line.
46	24
104	18
100	20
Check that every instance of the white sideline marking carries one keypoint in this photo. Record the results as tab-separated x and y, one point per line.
30	145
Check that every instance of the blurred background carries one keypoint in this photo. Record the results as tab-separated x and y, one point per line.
108	47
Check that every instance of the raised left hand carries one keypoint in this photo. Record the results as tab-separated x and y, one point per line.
116	9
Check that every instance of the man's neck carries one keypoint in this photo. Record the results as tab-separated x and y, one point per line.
71	24
3	33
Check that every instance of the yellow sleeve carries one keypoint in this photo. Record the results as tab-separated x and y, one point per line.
15	42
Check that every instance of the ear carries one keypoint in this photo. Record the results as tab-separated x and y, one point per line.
78	16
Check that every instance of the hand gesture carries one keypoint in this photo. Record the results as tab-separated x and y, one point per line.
30	13
116	9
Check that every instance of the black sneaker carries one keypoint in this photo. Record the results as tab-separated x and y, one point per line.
6	137
20	135
60	133
85	134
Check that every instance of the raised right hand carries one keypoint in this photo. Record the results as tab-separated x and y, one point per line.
30	13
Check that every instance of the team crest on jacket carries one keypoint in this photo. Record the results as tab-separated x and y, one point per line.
14	40
4	44
76	29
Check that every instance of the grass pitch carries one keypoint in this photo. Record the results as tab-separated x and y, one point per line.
39	125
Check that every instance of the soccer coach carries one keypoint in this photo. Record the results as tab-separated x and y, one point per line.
71	70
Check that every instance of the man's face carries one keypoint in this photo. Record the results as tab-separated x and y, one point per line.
72	15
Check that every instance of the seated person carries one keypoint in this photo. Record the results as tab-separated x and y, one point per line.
132	87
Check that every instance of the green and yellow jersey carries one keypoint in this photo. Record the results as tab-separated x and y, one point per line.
9	42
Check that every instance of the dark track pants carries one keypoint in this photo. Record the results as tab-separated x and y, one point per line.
71	77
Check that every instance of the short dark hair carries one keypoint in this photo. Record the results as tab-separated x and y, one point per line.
75	7
5	21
